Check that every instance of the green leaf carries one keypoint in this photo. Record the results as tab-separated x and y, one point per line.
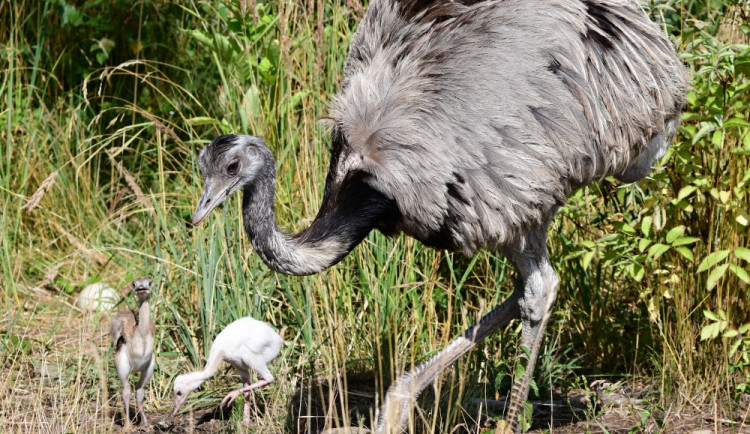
643	243
730	333
15	344
637	272
736	122
686	191
624	227
715	275
202	37
713	259
588	244
587	257
685	252
710	331
740	272
265	65
710	315
610	237
717	138
706	128
71	15
742	253
657	250
646	226
684	241
683	205
675	233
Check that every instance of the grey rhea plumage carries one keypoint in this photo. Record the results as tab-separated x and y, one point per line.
479	120
465	124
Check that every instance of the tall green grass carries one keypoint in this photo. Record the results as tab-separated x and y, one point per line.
120	117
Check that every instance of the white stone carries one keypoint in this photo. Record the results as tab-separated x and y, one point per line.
97	296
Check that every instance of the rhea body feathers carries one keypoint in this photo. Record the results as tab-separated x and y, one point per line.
465	124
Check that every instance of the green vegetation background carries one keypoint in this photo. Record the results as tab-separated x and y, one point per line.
106	103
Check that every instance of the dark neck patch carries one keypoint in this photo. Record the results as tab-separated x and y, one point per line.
350	211
432	10
351	208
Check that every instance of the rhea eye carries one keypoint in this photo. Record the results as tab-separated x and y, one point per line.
179	393
233	168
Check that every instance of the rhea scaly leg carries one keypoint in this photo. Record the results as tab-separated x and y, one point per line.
122	366
140	390
266	379
231	396
403	392
533	295
539	282
126	402
246	404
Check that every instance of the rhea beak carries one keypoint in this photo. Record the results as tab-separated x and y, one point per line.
213	195
143	288
178	400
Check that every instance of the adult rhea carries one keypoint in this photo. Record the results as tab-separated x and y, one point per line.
465	124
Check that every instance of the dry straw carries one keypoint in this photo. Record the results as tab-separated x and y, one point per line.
39	193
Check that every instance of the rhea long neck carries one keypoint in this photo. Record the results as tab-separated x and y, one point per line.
212	365
348	213
144	319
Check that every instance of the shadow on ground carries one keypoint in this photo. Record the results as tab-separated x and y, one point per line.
332	403
618	408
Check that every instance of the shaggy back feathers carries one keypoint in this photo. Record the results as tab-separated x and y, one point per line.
478	118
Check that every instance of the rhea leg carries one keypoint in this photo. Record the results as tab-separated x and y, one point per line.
140	389
126	402
231	396
404	391
122	366
533	294
539	282
264	373
246	405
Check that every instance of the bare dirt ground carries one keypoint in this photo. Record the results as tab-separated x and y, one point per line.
56	377
607	408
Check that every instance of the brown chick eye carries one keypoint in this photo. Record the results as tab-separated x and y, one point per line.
233	168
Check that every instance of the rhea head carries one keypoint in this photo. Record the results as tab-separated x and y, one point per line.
228	163
142	288
184	385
